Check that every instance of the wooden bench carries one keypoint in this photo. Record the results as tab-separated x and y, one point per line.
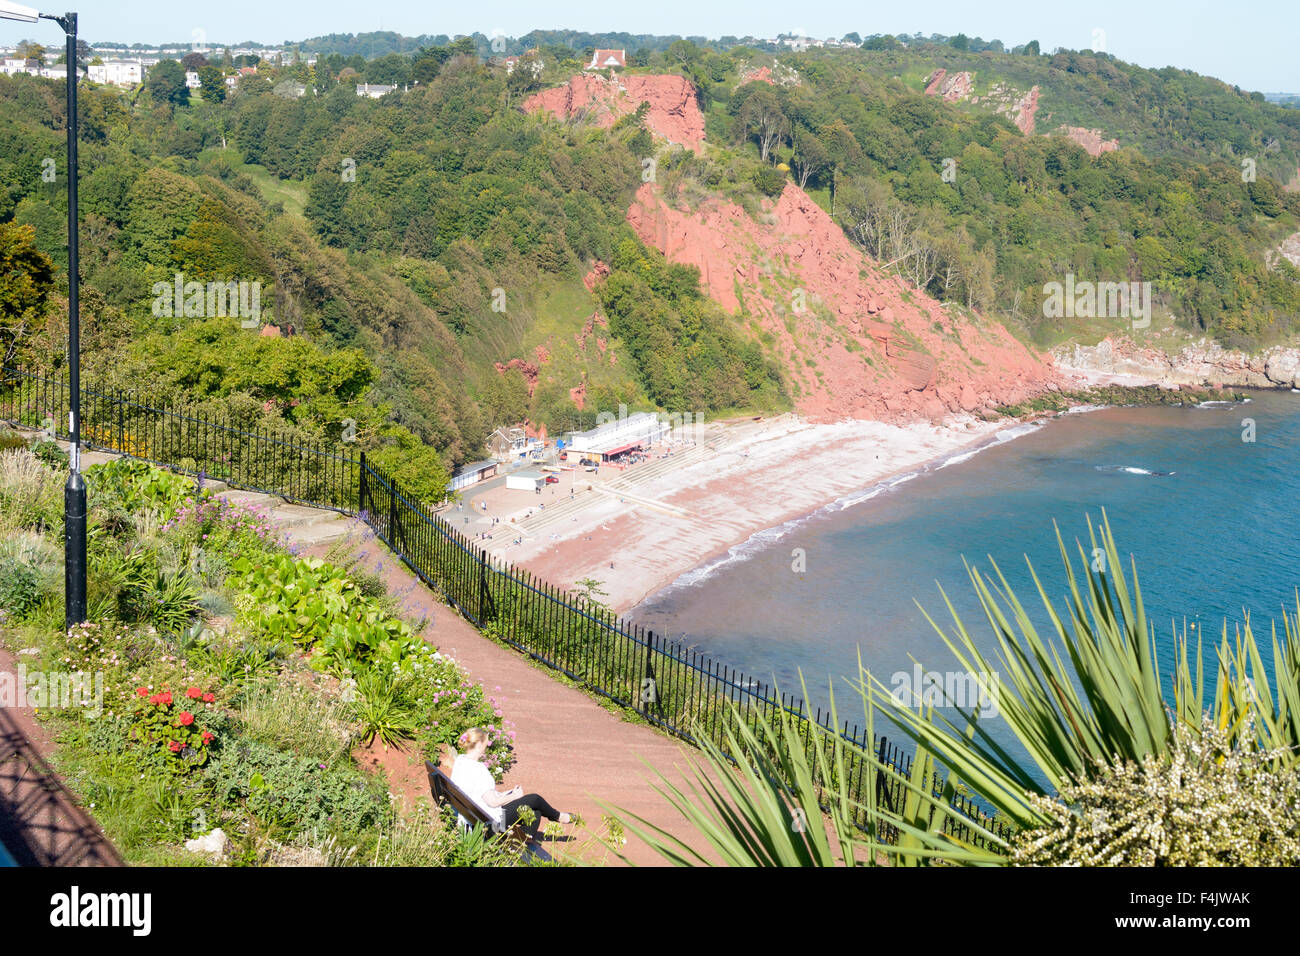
444	791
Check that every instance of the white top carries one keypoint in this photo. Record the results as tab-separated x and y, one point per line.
474	780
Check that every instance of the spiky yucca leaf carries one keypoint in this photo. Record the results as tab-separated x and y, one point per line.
763	810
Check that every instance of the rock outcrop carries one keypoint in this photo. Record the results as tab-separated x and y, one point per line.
856	341
674	113
1288	250
1202	362
952	88
1089	139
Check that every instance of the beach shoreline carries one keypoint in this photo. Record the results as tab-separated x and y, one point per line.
638	532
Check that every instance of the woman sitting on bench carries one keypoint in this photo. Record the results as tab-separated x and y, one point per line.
471	776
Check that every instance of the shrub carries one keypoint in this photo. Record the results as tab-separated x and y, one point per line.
31	494
29	572
296	794
213	528
315	605
49	453
137	485
175	728
1208	802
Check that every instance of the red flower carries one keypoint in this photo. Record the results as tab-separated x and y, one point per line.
174	746
165	697
193	693
186	718
208	737
209	697
142	691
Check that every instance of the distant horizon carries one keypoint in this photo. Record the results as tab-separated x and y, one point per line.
1248	49
211	45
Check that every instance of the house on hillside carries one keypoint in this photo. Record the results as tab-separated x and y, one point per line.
374	90
607	60
506	443
117	72
530	60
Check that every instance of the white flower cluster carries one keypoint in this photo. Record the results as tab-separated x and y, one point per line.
1208	803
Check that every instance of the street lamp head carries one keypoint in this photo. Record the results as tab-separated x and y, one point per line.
16	11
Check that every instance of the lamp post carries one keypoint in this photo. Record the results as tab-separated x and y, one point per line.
74	493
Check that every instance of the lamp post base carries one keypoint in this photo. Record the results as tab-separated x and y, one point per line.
74	544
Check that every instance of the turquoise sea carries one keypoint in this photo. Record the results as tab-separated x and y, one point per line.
1209	518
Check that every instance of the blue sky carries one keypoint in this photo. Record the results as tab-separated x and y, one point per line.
1251	44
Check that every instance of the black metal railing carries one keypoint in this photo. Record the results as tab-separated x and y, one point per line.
670	685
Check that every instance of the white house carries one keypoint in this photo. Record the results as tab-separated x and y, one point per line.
192	79
373	90
118	72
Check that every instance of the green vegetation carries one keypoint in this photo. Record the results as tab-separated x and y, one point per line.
216	699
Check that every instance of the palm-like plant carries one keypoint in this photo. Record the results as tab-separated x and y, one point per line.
1083	700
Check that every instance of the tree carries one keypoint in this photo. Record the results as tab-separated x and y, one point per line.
810	156
960	42
760	116
194	62
31	50
166	83
213	84
26	282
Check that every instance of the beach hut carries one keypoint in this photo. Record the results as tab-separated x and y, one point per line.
525	480
472	474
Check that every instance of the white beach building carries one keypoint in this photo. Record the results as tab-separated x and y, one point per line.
525	480
621	435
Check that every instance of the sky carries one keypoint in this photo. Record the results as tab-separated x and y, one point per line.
1249	44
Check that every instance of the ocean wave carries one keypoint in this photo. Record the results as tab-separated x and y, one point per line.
1080	409
1134	470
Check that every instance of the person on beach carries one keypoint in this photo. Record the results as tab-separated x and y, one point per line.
471	775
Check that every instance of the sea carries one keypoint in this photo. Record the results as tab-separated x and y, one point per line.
1203	500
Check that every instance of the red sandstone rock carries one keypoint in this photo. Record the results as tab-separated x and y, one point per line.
529	370
1090	139
674	113
868	368
598	271
951	88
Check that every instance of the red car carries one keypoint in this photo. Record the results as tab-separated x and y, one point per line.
552	480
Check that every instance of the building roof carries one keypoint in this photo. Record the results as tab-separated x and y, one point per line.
603	59
534	475
620	434
474	466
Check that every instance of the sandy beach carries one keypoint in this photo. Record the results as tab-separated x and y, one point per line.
638	530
